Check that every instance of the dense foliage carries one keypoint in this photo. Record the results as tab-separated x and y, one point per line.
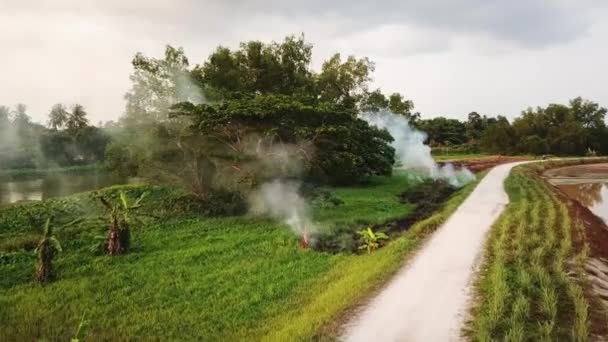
578	128
68	141
269	136
249	114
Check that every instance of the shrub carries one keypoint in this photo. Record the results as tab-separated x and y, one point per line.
371	239
218	203
46	250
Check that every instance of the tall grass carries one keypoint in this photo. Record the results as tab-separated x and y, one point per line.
524	291
197	278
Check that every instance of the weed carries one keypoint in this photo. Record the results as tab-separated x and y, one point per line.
46	250
371	239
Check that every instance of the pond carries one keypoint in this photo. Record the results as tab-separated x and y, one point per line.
56	185
587	184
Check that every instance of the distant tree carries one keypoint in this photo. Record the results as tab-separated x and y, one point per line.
344	83
588	113
58	116
77	119
256	67
569	138
374	101
91	144
474	126
22	123
533	144
566	129
443	131
157	84
499	137
58	147
399	105
5	122
20	116
5	116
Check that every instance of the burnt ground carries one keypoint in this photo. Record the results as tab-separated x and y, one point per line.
596	236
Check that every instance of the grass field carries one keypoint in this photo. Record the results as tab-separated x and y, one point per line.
530	286
458	156
32	173
193	278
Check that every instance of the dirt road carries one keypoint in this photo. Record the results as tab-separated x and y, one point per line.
428	298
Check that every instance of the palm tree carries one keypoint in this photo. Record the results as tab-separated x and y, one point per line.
58	116
77	119
46	250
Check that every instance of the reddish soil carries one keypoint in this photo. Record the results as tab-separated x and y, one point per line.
484	163
596	235
580	171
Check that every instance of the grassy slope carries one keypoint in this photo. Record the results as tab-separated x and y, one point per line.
31	173
197	278
524	292
457	156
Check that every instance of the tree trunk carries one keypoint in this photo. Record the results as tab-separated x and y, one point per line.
44	272
118	239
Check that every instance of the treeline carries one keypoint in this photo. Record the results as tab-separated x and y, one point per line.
260	111
578	128
251	114
68	140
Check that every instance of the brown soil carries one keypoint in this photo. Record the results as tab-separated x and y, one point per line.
579	171
484	163
596	235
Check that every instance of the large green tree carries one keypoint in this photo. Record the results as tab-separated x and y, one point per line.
159	83
256	67
251	137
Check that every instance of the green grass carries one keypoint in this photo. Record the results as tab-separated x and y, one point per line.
193	278
529	287
33	173
457	156
372	203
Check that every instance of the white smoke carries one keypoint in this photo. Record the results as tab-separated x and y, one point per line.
281	200
186	89
412	153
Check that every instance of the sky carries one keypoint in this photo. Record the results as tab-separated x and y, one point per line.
450	57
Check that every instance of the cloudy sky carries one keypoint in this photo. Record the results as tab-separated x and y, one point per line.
449	56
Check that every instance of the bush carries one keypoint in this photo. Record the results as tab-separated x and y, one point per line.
319	197
218	203
428	196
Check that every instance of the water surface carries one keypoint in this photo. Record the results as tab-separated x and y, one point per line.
587	184
592	195
55	185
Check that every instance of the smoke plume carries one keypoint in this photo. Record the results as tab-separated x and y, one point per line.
282	201
412	153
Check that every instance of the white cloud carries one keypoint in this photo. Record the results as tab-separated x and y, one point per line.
449	56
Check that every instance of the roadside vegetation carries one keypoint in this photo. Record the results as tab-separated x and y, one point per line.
531	286
17	174
248	273
256	127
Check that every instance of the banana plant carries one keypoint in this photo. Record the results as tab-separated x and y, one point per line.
371	239
46	250
121	215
